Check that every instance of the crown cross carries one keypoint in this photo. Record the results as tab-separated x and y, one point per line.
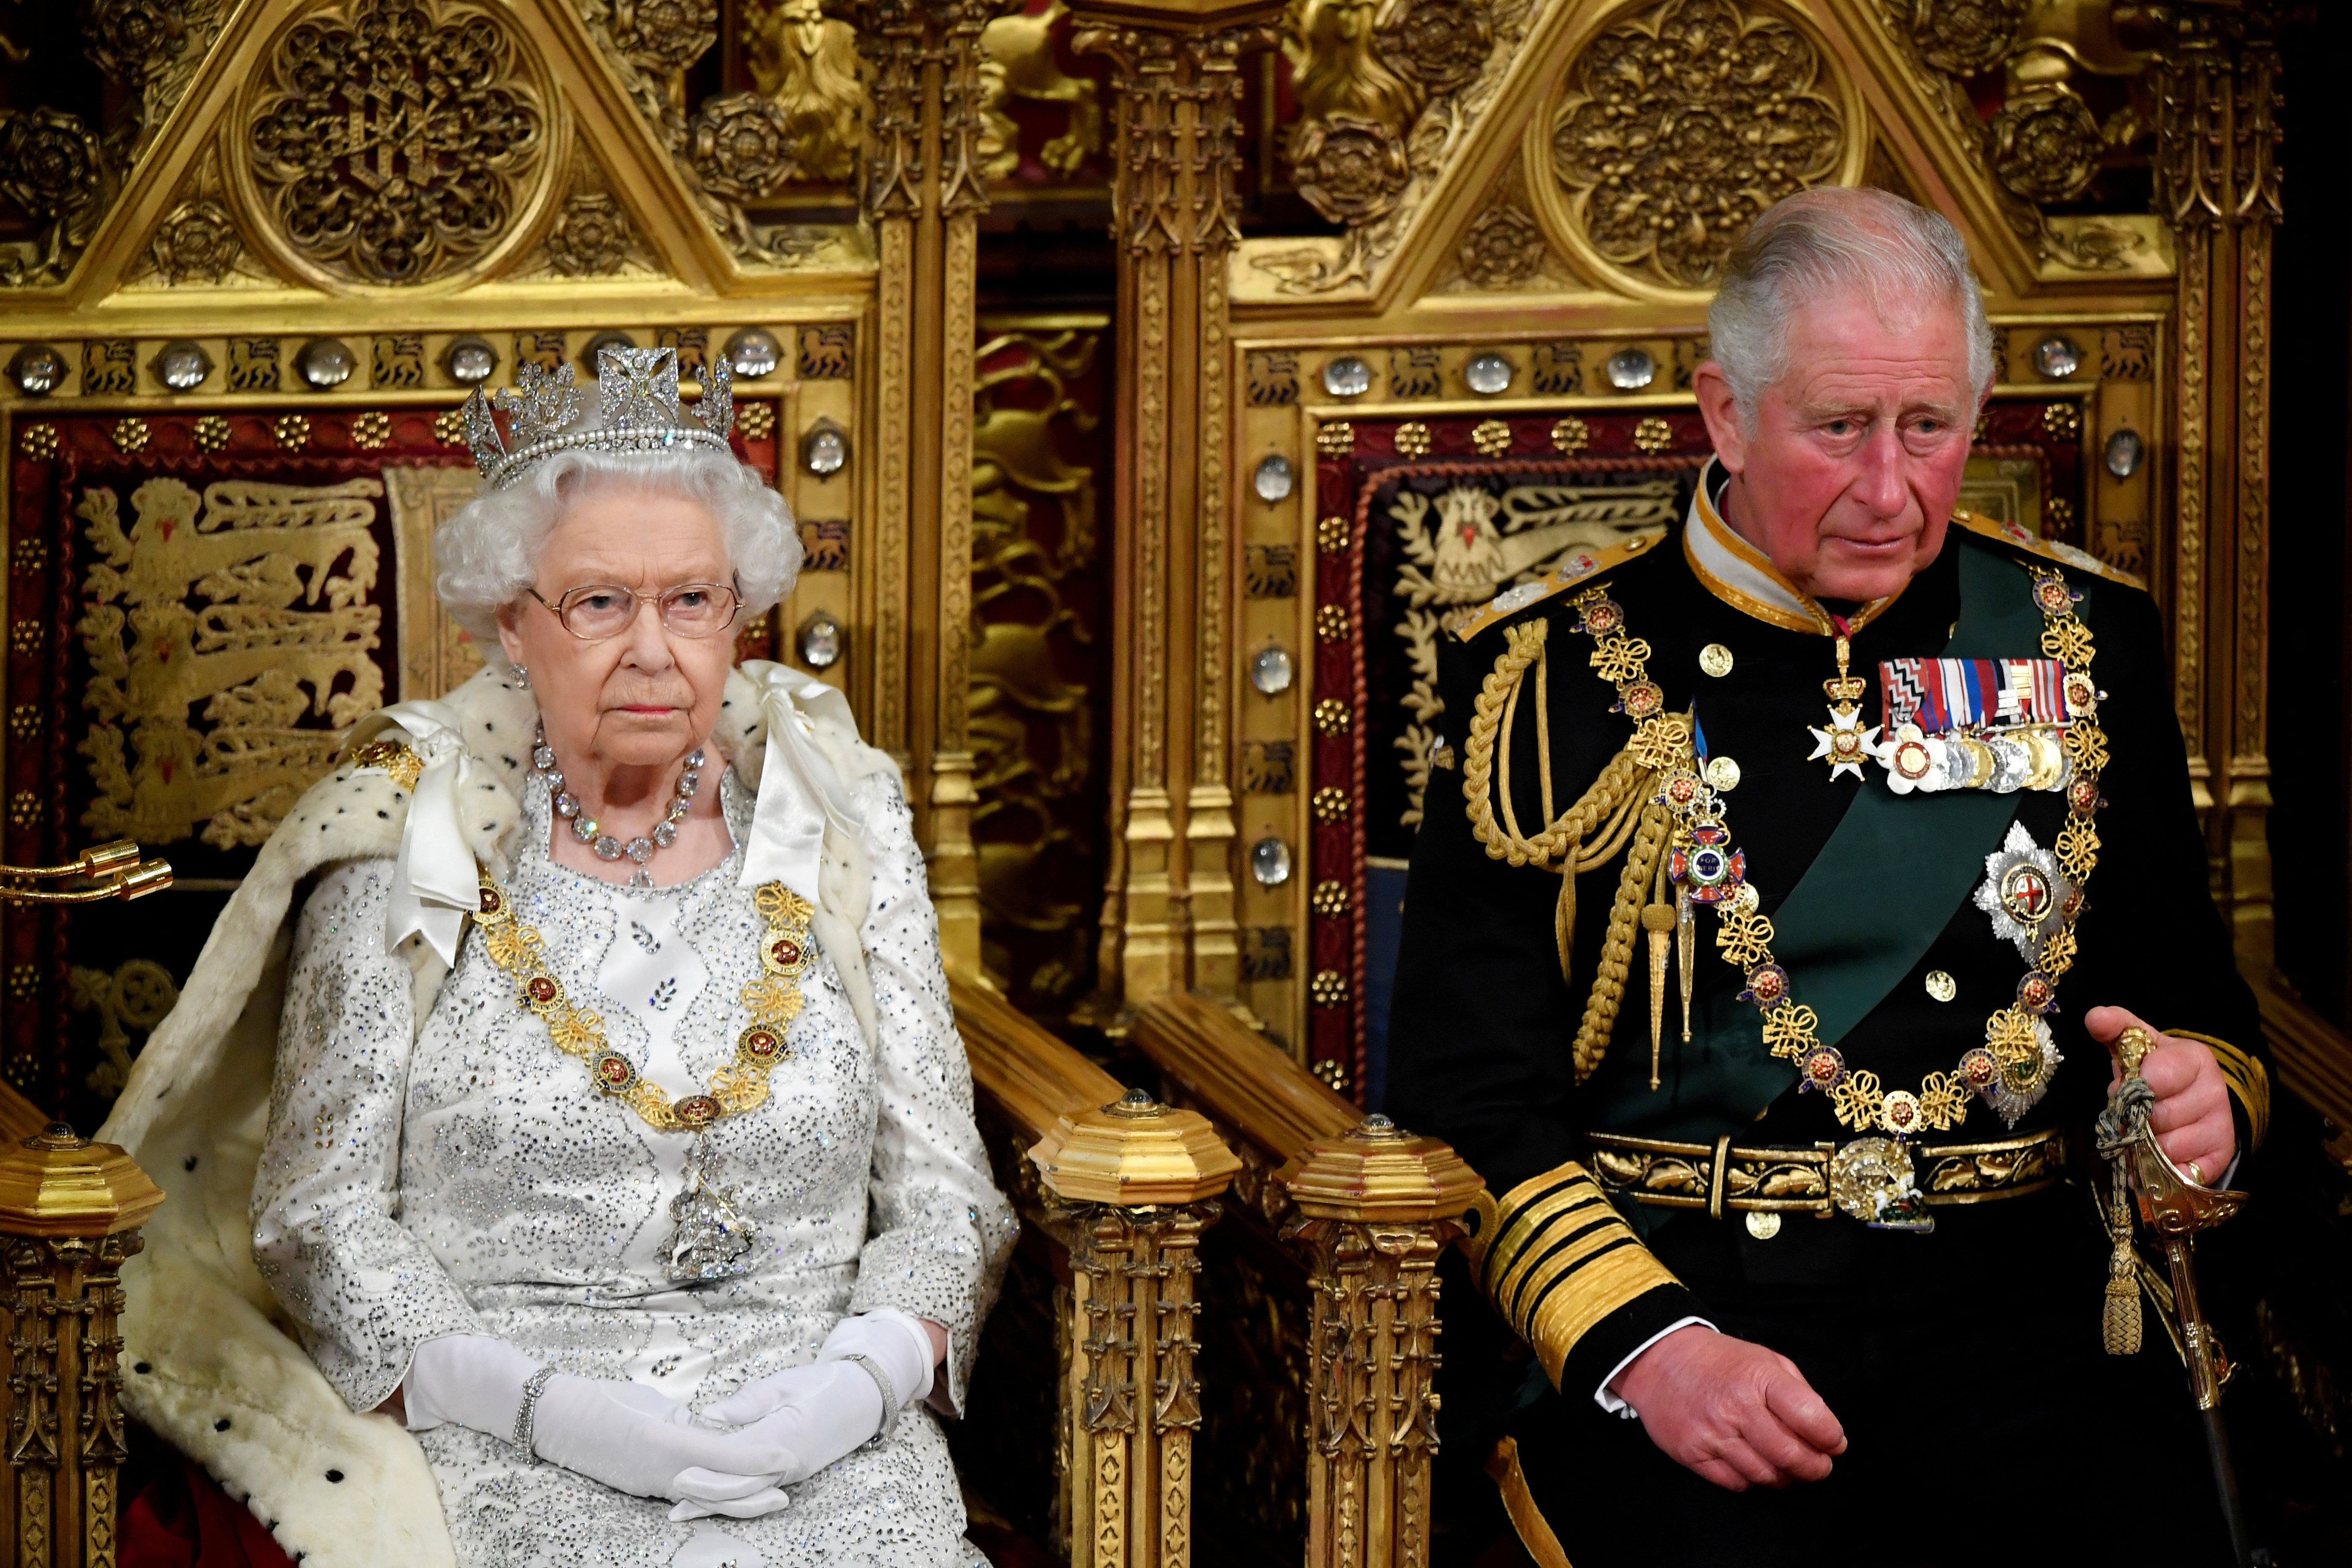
637	404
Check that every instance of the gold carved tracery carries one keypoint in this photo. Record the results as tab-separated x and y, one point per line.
1674	126
393	142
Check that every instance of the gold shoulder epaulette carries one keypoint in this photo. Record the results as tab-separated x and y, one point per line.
1580	566
2009	533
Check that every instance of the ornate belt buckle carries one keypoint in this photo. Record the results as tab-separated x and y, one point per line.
1871	1179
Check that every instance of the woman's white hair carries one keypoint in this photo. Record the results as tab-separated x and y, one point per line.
487	555
1893	253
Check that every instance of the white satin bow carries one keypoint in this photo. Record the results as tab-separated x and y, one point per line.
434	885
799	791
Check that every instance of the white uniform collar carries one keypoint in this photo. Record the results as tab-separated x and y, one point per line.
1744	577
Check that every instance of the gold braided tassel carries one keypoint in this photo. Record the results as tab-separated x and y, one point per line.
2122	1323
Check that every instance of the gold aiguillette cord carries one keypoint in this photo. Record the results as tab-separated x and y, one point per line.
1658	920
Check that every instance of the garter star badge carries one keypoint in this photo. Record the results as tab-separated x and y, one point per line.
2023	892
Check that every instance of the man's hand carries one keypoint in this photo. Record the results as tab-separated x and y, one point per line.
2191	1114
1736	1413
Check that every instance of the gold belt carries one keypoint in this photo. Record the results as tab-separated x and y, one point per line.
1876	1180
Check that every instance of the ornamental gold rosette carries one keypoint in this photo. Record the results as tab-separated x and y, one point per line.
1674	124
393	143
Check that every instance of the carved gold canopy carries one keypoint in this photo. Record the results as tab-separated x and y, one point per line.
1390	293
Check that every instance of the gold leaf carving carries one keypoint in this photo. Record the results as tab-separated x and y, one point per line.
1685	120
396	141
250	599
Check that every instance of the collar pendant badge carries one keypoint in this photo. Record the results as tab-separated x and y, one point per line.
1845	743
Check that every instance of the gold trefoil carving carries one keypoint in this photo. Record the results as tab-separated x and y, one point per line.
1683	122
1035	527
590	237
279	627
136	995
396	141
54	169
1961	37
2044	146
1505	246
1468	543
152	50
1388	94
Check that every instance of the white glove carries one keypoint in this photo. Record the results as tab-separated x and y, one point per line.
821	1412
638	1440
474	1380
632	1438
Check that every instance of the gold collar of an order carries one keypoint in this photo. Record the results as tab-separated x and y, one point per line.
1743	577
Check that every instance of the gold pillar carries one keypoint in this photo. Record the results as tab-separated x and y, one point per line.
1375	1206
2218	186
70	1213
1134	1185
1169	917
923	192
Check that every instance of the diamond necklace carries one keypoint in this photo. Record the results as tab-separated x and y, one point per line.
591	832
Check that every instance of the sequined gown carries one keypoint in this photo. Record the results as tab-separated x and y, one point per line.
461	1176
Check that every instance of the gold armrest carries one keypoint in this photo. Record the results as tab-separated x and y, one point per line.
1029	1077
1126	1185
69	1213
1243	1082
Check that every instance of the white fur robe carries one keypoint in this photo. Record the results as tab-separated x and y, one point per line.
207	1359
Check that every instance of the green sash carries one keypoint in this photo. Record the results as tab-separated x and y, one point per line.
1874	899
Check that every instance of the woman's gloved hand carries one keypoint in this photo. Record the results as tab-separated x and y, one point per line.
820	1412
632	1438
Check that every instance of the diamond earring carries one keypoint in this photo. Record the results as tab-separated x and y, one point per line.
522	676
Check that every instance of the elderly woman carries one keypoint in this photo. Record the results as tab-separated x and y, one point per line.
621	1142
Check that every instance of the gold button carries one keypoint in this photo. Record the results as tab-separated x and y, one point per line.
1763	1224
1715	659
1941	986
1722	774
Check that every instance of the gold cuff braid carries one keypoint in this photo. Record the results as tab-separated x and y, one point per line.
2246	1075
1561	1258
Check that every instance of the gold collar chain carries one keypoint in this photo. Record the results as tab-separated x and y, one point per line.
2011	1070
774	997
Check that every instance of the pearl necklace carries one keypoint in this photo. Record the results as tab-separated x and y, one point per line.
591	832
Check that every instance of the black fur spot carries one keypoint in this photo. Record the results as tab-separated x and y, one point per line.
221	1425
335	1477
142	1367
385	815
189	1164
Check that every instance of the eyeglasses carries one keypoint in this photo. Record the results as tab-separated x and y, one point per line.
601	610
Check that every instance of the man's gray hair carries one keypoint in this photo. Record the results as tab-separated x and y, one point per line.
1827	241
487	555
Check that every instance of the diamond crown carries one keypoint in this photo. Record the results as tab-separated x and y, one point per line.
638	411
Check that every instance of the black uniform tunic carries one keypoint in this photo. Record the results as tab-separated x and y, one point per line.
1966	1364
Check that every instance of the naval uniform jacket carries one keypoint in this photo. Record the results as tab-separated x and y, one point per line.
1483	1021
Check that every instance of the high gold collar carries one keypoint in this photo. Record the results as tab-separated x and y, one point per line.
1743	577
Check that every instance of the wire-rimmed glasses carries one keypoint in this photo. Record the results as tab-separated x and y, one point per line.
599	611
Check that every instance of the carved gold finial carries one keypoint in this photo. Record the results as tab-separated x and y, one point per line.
1135	1151
1378	1171
54	1184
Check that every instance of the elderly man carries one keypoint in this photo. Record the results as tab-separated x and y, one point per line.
1806	867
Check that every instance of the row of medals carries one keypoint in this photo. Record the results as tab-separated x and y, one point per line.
1870	1178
